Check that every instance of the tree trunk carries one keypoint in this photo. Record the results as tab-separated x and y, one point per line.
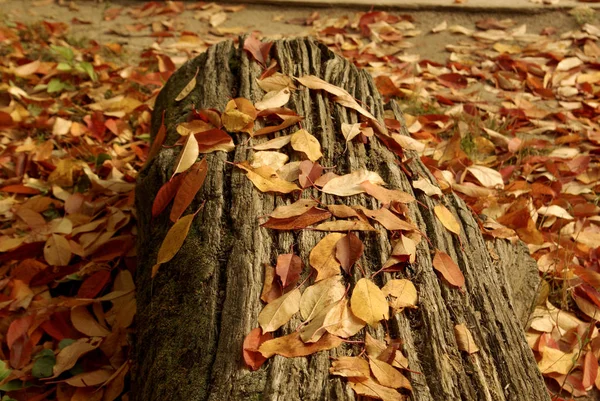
194	315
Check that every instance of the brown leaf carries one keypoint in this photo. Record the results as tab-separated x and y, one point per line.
166	193
443	263
85	323
387	219
159	139
344	226
190	185
271	290
465	339
319	295
252	343
57	250
94	284
309	173
386	196
274	144
341	322
348	250
350	184
350	366
188	88
402	294
288	268
173	241
387	375
288	121
296	209
292	346
311	216
369	388
68	356
257	49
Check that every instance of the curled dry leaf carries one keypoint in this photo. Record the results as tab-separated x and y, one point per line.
188	155
447	218
318	296
368	302
173	241
280	311
322	257
288	268
350	184
350	131
188	88
291	346
348	250
266	179
405	246
303	141
464	339
252	343
239	115
350	366
257	49
401	294
443	263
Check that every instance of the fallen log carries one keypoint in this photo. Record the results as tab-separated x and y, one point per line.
195	313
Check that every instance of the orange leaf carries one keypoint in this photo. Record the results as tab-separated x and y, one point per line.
311	216
188	189
159	139
173	241
447	218
257	49
291	346
443	263
271	289
252	343
289	267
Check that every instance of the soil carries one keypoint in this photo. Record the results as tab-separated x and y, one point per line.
271	21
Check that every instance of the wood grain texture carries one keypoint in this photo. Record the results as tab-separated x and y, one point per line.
193	317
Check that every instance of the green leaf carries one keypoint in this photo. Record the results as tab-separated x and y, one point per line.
65	342
44	353
14	385
77	369
4	370
63	67
55	85
42	367
7	398
64	52
88	68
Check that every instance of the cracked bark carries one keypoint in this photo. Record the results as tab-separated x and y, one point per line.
193	316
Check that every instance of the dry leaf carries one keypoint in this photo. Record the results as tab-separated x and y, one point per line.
315	328
341	322
447	218
85	323
387	219
443	263
188	88
311	216
368	302
350	184
348	250
188	155
274	99
464	339
288	268
424	185
173	241
274	160
271	290
369	388
291	346
280	311
319	295
401	293
554	360
344	226
239	116
303	141
276	82
387	375
350	131
350	366
266	179
274	144
190	185
386	196
57	250
322	257
487	177
297	208
252	343
68	356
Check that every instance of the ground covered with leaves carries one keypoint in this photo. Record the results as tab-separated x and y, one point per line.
509	122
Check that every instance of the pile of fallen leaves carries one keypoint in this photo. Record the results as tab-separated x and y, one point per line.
510	123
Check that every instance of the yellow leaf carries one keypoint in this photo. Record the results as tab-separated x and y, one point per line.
369	388
350	131
274	99
274	144
188	155
368	302
292	346
267	180
280	311
447	218
402	294
188	88
350	366
57	250
341	322
315	329
276	82
322	257
465	339
173	241
554	360
316	297
239	116
387	375
304	142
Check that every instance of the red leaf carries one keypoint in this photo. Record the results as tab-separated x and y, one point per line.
289	267
20	353
19	189
259	50
166	193
590	369
252	342
17	329
386	87
58	326
94	284
312	216
211	138
453	80
348	250
190	186
443	263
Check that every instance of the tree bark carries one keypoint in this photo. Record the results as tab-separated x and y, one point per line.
194	315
